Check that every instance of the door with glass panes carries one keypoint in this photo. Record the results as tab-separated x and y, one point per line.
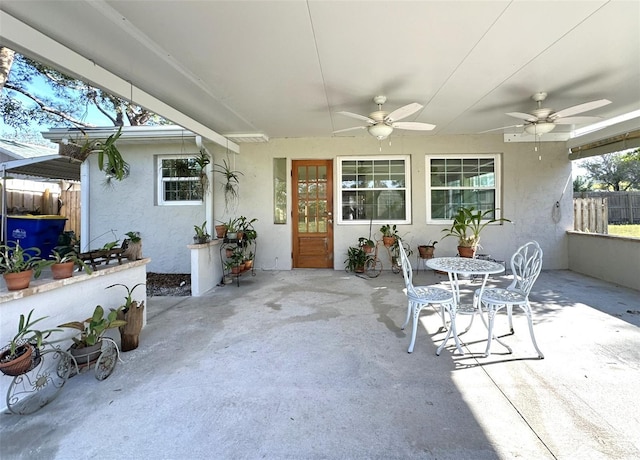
312	216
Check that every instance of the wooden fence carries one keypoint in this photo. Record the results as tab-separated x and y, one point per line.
590	215
624	207
66	204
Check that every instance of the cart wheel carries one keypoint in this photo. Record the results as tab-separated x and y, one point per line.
107	360
373	267
40	385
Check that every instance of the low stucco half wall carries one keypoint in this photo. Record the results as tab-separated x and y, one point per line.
71	299
607	257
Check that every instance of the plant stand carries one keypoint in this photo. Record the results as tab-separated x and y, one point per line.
103	365
41	383
240	243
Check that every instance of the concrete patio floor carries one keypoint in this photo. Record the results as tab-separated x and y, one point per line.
312	364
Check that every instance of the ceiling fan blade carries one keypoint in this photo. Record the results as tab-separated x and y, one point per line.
523	116
413	125
576	120
349	129
576	109
498	129
358	117
403	112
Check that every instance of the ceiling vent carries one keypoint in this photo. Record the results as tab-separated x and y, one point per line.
244	138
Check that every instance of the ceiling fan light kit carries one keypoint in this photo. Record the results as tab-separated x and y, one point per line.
380	124
539	129
380	131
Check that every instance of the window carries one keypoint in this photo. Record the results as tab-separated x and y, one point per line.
179	180
374	189
455	181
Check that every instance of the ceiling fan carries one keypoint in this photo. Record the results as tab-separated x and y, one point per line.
543	120
380	124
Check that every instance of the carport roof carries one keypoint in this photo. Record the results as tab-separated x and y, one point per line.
38	161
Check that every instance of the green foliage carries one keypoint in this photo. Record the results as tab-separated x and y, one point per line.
15	259
356	258
26	333
615	171
389	230
62	101
71	256
364	241
202	236
468	223
93	328
581	184
230	184
134	237
128	300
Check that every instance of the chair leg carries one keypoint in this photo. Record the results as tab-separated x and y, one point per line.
406	321
491	313
510	315
416	313
527	309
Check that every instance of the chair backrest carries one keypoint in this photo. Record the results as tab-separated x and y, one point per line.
526	264
407	271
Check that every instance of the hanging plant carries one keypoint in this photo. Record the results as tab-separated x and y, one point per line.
202	161
230	186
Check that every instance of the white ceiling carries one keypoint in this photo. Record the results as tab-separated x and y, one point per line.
284	68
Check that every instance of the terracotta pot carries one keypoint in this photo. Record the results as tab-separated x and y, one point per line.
467	252
235	269
388	240
221	231
17	281
359	269
63	270
20	365
248	264
426	252
367	249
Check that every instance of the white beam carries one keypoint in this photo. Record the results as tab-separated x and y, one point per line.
20	37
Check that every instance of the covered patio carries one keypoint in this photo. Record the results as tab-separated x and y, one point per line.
313	364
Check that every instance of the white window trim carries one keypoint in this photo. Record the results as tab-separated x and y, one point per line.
160	182
338	189
497	161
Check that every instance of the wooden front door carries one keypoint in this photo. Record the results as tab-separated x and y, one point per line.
312	216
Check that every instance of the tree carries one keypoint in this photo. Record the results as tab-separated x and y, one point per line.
33	92
581	184
615	171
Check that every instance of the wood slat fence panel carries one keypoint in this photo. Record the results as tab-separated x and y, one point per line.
624	207
590	215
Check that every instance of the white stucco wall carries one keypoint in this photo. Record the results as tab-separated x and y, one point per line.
532	184
130	205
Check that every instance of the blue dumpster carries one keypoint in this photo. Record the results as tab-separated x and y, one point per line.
41	232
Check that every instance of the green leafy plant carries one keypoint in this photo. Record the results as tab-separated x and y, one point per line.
128	299
364	241
356	258
201	236
231	182
202	160
15	259
93	328
389	230
134	237
110	245
58	258
25	334
468	223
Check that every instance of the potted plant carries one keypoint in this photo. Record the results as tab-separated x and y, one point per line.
248	260
132	314
87	345
18	265
467	225
389	234
366	244
132	246
16	357
236	261
230	184
356	258
426	251
64	264
201	236
202	160
114	167
232	228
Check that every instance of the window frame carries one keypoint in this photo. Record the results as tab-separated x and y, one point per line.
160	181
497	187
407	189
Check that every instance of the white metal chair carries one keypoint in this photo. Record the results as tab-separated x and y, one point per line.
418	297
526	264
